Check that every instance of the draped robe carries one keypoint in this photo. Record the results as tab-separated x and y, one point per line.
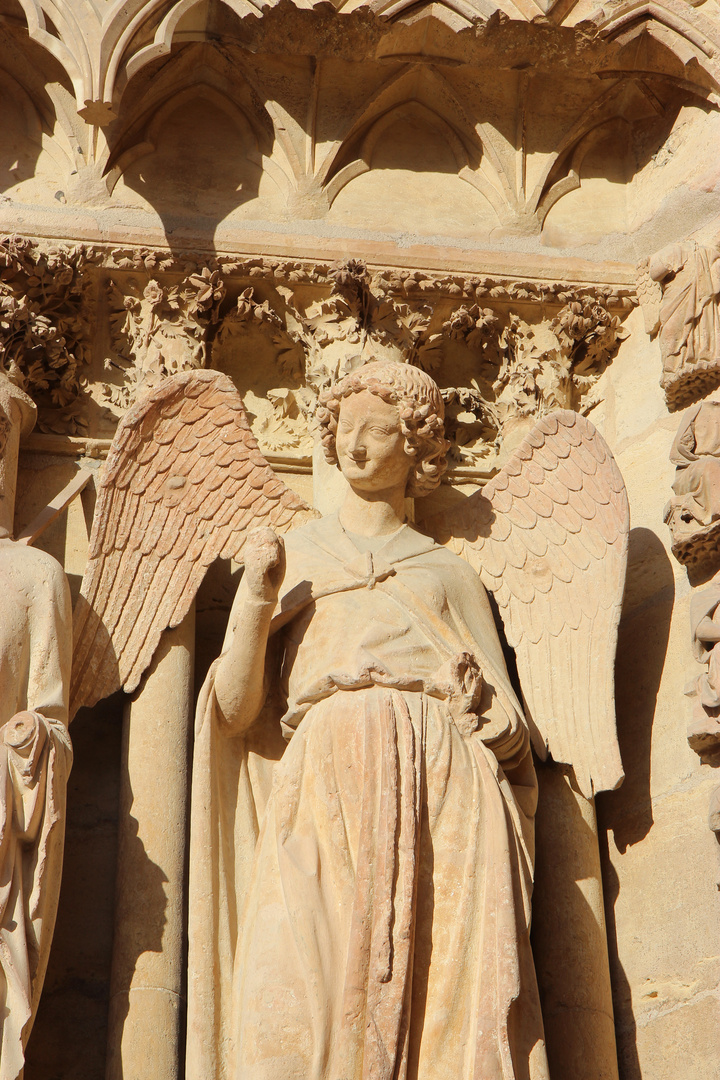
360	900
35	657
689	315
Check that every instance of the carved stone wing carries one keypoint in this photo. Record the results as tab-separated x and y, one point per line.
649	293
183	482
548	536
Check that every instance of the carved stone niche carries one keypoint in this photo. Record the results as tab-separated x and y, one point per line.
693	515
679	289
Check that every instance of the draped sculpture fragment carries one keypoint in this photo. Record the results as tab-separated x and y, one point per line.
688	315
693	515
35	751
363	787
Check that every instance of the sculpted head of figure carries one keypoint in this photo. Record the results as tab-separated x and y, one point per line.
693	512
383	418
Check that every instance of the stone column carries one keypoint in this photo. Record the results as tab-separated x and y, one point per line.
147	989
569	935
17	417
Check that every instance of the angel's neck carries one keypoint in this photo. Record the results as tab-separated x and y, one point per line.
373	513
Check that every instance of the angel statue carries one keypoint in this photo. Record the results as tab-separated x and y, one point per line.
35	751
363	792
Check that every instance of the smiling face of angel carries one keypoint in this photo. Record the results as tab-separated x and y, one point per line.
370	445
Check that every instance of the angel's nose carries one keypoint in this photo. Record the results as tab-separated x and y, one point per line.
356	447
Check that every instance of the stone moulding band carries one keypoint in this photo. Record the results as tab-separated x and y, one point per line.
418	271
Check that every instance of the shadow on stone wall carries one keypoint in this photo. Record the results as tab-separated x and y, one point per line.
197	160
68	1040
642	648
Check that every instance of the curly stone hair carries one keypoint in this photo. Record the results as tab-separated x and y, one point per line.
421	411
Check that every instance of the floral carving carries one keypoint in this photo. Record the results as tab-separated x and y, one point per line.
43	329
279	417
556	363
160	330
168	311
474	325
284	423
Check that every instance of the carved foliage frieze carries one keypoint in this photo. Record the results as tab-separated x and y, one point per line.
158	330
44	328
503	351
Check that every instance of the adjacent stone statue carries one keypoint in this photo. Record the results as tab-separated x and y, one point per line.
704	729
35	751
689	318
363	787
693	513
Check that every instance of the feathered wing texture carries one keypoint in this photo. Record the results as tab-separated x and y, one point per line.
548	536
649	293
183	482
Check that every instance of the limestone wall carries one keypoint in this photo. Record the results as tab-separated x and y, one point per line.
273	191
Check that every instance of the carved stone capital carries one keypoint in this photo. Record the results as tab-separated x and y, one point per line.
44	342
504	350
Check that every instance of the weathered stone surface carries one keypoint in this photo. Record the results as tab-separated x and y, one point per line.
520	197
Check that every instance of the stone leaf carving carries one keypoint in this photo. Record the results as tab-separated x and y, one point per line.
44	329
525	370
158	330
689	320
548	536
556	364
166	312
35	750
280	418
183	479
318	335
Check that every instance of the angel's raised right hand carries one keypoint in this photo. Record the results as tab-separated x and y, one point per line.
264	558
